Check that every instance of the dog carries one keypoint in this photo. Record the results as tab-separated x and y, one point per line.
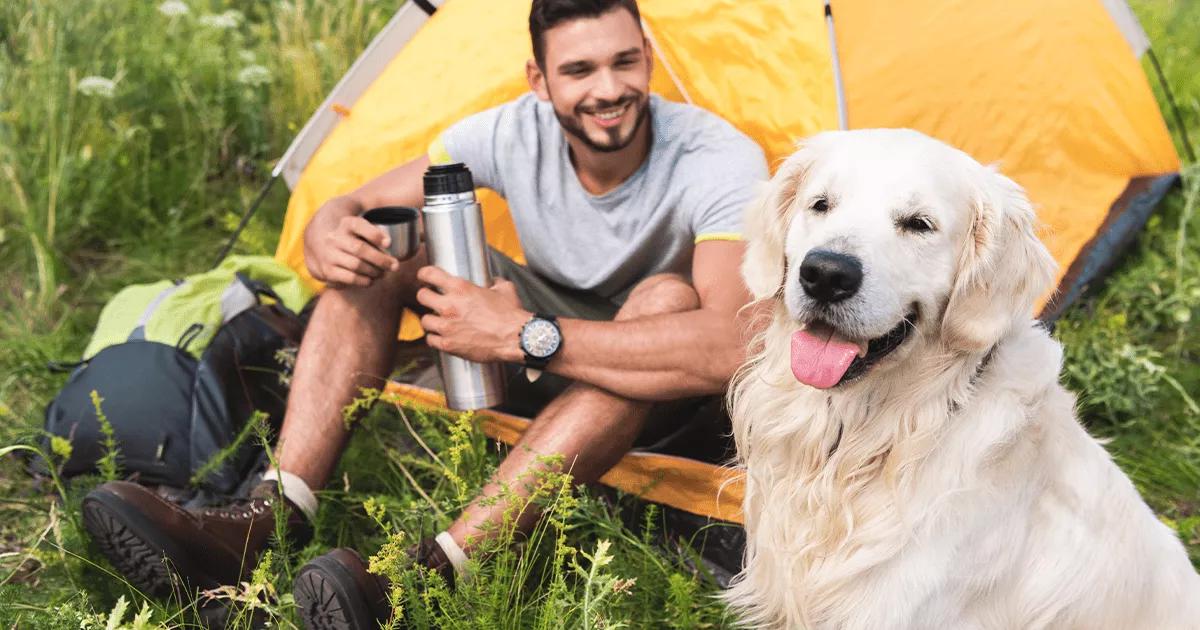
910	458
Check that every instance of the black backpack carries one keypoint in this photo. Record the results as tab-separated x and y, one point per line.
174	404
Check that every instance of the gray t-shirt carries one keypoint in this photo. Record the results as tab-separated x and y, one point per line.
700	174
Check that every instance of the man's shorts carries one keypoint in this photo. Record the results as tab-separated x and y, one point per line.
668	419
541	295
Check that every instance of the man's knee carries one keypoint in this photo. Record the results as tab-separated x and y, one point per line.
659	294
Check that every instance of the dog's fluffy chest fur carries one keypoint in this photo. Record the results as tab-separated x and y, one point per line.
944	496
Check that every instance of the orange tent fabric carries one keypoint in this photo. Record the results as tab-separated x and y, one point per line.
1051	92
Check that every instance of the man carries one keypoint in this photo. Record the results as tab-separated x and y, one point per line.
628	209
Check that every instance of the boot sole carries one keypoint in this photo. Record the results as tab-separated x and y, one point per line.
328	598
151	562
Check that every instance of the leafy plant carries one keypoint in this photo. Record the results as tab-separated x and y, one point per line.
107	464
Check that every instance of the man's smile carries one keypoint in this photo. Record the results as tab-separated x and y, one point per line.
610	117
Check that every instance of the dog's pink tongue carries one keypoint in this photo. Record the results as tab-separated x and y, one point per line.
820	356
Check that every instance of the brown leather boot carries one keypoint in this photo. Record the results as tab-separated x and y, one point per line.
335	591
157	544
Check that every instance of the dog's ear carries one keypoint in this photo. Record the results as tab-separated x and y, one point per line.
1003	267
766	224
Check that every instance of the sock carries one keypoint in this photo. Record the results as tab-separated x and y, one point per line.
295	491
453	552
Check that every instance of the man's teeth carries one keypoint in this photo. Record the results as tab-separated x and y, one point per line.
610	114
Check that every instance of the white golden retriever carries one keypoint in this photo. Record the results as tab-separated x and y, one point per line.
911	459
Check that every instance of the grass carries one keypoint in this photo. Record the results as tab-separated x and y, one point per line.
1132	348
128	136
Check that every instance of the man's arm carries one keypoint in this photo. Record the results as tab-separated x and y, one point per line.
662	357
668	356
343	249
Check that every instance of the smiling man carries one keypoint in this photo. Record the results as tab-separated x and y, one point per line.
628	209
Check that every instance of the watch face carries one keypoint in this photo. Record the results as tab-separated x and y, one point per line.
540	338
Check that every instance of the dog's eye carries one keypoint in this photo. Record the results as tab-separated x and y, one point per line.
820	205
915	223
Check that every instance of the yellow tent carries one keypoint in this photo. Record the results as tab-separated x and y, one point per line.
1051	91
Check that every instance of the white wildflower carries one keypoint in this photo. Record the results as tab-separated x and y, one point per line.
97	86
227	20
246	56
174	8
254	75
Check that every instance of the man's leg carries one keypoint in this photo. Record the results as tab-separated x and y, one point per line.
589	427
350	343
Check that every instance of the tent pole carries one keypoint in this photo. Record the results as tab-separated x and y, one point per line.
687	98
837	70
262	194
1162	81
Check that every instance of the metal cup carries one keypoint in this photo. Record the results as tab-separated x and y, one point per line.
399	223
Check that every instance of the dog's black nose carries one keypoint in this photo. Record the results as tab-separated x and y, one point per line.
830	277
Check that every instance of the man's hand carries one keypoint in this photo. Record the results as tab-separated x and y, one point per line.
343	249
348	253
471	322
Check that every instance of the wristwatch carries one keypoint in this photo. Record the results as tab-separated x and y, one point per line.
540	339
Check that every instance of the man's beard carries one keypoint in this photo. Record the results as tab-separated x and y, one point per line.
573	124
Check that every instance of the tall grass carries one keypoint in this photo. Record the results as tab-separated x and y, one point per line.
1133	348
583	566
128	122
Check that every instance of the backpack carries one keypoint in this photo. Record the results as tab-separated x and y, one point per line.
178	368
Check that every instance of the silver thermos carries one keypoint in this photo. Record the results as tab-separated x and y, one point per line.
455	242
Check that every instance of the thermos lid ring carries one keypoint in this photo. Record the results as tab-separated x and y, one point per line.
448	179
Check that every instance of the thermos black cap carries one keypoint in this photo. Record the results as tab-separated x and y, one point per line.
448	179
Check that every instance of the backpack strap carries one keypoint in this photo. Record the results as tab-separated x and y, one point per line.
245	292
259	287
64	366
139	329
236	298
189	336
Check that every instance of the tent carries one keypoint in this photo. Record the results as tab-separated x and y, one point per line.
1053	92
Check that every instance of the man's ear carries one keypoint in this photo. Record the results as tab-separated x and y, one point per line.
1003	267
536	79
766	223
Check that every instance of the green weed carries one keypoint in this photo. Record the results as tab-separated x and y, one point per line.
107	464
256	427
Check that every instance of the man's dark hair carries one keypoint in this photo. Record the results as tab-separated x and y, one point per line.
546	14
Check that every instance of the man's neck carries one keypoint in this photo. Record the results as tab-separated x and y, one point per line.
599	171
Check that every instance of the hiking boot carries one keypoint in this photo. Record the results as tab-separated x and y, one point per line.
156	543
336	592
